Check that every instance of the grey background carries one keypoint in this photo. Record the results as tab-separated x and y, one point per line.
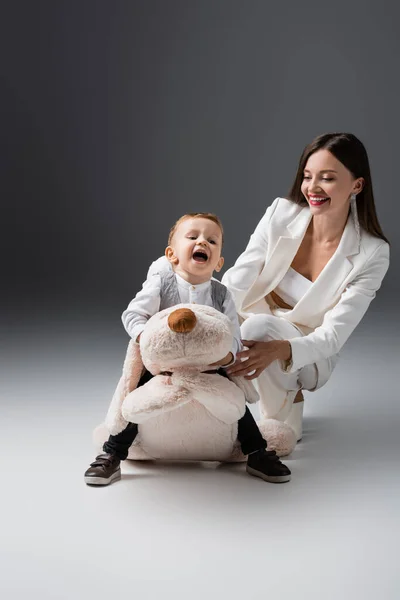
119	117
116	118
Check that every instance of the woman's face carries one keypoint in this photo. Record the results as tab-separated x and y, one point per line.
327	184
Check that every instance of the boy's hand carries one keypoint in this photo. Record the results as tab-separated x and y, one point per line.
224	361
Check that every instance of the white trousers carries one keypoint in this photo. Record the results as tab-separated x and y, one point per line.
276	388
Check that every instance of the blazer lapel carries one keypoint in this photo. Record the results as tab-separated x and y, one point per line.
280	259
324	290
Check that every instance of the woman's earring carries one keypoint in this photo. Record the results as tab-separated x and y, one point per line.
353	204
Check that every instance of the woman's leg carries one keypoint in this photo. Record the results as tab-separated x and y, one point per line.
295	417
278	389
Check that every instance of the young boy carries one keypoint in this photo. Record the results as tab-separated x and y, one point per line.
194	252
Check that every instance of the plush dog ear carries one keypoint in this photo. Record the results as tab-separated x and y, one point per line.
133	367
131	373
247	388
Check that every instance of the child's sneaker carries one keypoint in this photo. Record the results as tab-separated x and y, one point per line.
266	464
103	470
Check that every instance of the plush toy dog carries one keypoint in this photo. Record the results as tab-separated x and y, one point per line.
185	412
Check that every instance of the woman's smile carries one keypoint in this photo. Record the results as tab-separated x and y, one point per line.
317	200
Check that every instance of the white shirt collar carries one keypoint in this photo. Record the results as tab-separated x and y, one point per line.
189	286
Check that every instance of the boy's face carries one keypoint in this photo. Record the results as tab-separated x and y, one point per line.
195	249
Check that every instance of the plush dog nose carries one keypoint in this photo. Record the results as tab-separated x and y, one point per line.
182	320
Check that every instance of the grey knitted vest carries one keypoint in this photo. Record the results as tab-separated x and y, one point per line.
169	295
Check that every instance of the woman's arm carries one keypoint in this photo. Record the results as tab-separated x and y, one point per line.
239	278
327	339
339	323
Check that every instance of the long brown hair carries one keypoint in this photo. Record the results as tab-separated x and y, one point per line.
348	149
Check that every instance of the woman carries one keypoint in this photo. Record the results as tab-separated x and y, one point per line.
309	272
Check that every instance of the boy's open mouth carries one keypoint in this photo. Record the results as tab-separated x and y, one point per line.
200	257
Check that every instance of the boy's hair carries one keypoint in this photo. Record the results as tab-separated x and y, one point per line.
209	216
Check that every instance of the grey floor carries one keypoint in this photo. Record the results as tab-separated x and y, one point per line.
199	530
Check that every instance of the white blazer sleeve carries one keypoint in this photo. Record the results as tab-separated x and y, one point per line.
229	310
338	324
240	278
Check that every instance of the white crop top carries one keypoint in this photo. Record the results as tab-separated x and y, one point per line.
292	287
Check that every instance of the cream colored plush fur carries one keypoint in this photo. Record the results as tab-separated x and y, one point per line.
187	414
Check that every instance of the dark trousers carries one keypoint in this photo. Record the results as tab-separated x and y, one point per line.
249	435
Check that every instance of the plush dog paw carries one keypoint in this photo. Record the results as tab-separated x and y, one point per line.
280	436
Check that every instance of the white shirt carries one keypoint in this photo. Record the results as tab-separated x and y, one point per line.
292	287
147	303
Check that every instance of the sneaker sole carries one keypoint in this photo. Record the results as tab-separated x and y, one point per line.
269	478
103	480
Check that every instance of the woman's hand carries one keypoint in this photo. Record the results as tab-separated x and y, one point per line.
258	357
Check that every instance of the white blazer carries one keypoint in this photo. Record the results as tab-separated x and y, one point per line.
334	304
